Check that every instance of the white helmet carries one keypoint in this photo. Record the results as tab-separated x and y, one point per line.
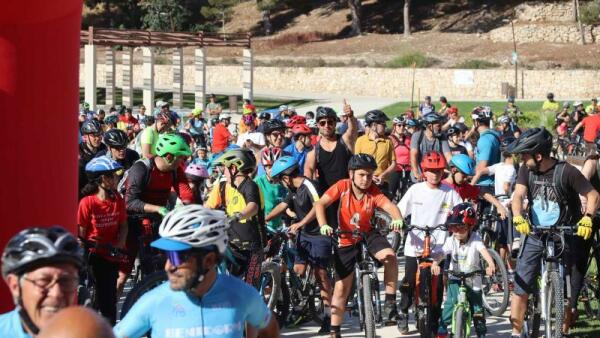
193	226
224	116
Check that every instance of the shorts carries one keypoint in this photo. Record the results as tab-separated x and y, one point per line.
345	257
314	249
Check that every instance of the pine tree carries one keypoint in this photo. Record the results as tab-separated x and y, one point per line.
219	11
164	15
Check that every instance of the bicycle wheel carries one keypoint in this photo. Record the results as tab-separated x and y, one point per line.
150	282
270	283
495	288
555	306
425	320
459	322
282	309
369	312
381	221
589	297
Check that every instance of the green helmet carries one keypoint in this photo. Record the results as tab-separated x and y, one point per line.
172	144
243	159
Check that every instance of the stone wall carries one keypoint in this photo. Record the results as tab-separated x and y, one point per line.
546	11
559	32
379	82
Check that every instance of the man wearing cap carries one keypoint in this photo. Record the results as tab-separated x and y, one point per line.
591	126
221	135
426	107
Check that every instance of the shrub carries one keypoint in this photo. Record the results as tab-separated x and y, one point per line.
476	64
590	13
407	60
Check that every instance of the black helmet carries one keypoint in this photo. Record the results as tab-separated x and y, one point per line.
325	113
116	138
273	125
91	127
375	116
508	140
550	96
461	126
482	113
532	141
453	131
432	118
362	161
35	247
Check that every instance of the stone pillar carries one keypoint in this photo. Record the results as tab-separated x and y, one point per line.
127	77
148	75
178	77
247	92
90	75
200	78
110	76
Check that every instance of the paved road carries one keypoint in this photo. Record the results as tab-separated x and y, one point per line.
497	326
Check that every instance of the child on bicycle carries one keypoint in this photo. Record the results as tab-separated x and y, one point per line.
464	249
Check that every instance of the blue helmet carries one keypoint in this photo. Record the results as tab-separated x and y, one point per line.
284	165
464	163
232	146
101	165
411	122
432	118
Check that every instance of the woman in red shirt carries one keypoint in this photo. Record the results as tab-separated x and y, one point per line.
102	223
400	137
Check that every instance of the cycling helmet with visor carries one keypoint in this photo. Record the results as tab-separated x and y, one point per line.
100	166
91	127
462	218
173	144
285	165
433	161
532	141
362	161
116	138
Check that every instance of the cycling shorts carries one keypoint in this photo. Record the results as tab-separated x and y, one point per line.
345	257
314	249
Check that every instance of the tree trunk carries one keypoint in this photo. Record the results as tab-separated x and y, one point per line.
266	18
406	17
355	9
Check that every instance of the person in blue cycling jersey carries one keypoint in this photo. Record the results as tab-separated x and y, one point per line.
301	145
197	301
40	267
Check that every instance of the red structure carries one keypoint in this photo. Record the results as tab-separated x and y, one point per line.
39	98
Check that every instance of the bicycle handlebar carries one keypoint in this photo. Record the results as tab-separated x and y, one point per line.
464	275
426	228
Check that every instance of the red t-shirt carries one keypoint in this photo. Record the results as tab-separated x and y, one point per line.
101	218
466	191
354	213
221	137
161	184
591	125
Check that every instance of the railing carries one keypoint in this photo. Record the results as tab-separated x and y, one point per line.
134	38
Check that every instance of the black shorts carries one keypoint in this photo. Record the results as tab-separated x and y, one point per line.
345	257
314	249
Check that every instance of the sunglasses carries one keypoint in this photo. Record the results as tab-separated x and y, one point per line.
324	123
177	258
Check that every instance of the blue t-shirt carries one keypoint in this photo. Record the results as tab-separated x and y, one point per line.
488	149
300	156
197	126
10	325
220	313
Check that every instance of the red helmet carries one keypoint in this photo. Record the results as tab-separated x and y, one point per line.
268	156
462	214
295	120
301	129
433	161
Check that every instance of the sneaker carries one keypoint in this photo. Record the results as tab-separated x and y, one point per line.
442	335
335	335
326	326
390	314
403	324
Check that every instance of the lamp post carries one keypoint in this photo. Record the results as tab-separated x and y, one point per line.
514	54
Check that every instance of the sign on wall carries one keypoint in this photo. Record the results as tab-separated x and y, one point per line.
463	77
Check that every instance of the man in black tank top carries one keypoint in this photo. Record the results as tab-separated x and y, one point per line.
327	163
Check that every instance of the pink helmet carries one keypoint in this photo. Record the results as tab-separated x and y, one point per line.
196	171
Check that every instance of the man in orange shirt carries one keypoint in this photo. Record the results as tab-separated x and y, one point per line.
358	198
591	126
221	135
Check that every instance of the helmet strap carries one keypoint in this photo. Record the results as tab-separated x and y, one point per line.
25	318
200	272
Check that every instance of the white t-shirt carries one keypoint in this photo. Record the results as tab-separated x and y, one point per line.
465	257
256	138
502	173
427	207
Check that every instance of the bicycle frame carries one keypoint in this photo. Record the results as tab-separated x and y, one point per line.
424	262
463	301
552	261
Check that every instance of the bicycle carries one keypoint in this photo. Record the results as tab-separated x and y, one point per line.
87	285
426	291
367	299
590	291
461	315
549	305
299	299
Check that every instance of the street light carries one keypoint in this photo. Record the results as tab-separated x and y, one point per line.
514	54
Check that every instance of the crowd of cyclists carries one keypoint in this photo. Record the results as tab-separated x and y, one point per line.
211	193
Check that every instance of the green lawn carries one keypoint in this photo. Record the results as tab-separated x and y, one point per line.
531	110
188	99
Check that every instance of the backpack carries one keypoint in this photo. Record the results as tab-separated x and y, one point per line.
437	145
123	183
558	187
